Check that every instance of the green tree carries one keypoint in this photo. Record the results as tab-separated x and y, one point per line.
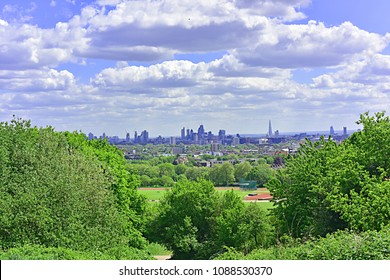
180	169
239	226
261	173
184	221
329	186
166	169
196	173
54	193
222	174
242	170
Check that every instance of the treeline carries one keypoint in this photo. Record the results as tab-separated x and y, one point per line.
65	197
165	172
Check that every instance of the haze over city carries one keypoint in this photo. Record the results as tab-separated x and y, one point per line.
122	66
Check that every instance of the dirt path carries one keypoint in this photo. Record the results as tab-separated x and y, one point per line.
163	257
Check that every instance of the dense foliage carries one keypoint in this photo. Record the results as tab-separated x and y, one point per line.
60	190
341	245
195	222
330	186
166	172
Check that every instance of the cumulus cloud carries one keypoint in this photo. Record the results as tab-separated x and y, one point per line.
251	81
157	27
311	45
36	80
167	74
29	47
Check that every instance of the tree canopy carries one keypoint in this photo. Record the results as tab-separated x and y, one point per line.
329	186
61	190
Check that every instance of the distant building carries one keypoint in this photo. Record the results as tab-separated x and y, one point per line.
183	133
172	140
201	134
331	131
144	137
222	136
141	139
269	129
214	147
345	131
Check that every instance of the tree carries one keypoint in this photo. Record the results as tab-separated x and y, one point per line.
56	194
180	169
240	226
196	173
166	169
329	186
222	174
195	222
261	173
242	170
184	221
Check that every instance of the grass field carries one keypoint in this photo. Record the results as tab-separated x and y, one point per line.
154	195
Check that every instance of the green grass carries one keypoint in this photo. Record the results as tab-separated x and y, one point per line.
265	205
243	193
156	249
153	195
156	195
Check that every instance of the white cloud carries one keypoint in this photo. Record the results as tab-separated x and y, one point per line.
155	30
36	80
311	45
3	22
251	83
18	13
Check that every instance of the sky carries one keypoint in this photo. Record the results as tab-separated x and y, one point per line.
119	66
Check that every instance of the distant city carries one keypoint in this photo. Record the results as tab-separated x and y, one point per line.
189	136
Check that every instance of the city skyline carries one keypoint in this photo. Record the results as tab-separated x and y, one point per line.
190	133
118	65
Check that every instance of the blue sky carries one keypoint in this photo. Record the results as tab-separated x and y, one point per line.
114	65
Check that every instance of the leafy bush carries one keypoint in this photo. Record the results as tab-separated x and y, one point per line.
39	252
328	186
341	245
195	222
60	190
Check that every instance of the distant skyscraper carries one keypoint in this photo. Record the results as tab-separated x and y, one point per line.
127	137
331	131
344	130
222	135
183	133
201	132
144	137
269	129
